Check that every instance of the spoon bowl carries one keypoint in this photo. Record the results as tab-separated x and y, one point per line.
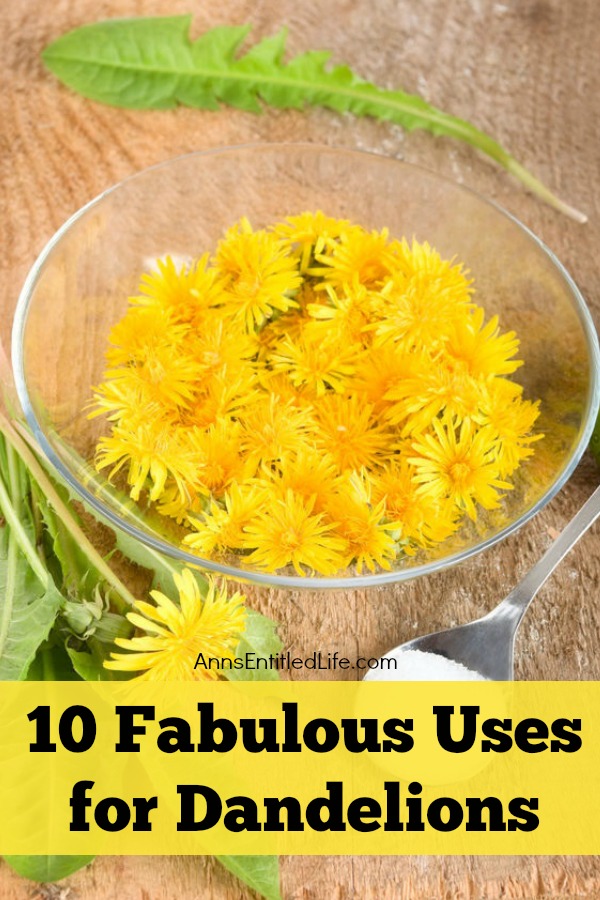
485	647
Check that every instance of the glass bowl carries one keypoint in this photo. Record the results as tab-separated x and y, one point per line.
78	289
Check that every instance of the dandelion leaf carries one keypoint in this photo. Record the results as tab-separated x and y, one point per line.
151	63
27	610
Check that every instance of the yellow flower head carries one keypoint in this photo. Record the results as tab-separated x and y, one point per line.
152	450
167	376
348	312
480	348
221	528
419	259
219	460
310	228
223	397
309	231
179	506
512	420
372	540
174	634
287	532
273	428
357	256
122	401
185	291
423	519
318	361
350	433
416	311
308	473
459	465
379	371
416	400
142	331
221	349
260	273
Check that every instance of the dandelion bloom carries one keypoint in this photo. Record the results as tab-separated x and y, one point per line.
174	634
459	463
286	531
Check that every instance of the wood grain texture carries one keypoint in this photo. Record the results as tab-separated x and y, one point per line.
527	71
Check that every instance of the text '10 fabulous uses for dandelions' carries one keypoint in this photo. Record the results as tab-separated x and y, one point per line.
398	807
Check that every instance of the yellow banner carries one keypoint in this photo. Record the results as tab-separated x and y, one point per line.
300	768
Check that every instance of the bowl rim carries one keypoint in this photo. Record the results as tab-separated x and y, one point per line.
106	513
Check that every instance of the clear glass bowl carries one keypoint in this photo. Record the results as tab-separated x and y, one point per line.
79	286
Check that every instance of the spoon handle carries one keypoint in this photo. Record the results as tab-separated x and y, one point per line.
516	603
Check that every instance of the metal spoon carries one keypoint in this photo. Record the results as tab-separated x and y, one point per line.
486	646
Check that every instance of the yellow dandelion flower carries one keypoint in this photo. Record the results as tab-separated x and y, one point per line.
415	401
175	634
372	540
356	256
378	372
273	428
418	311
318	361
219	349
178	506
287	532
118	401
140	332
223	397
260	273
220	462
460	467
512	420
350	432
420	258
310	228
480	348
291	325
348	311
220	529
186	292
168	376
308	473
152	450
423	520
280	386
310	231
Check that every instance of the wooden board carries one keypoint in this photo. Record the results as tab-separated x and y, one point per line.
527	71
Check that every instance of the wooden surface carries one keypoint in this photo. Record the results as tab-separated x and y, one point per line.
526	70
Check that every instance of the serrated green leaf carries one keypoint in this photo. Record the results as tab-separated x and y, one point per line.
151	63
47	868
261	873
261	641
